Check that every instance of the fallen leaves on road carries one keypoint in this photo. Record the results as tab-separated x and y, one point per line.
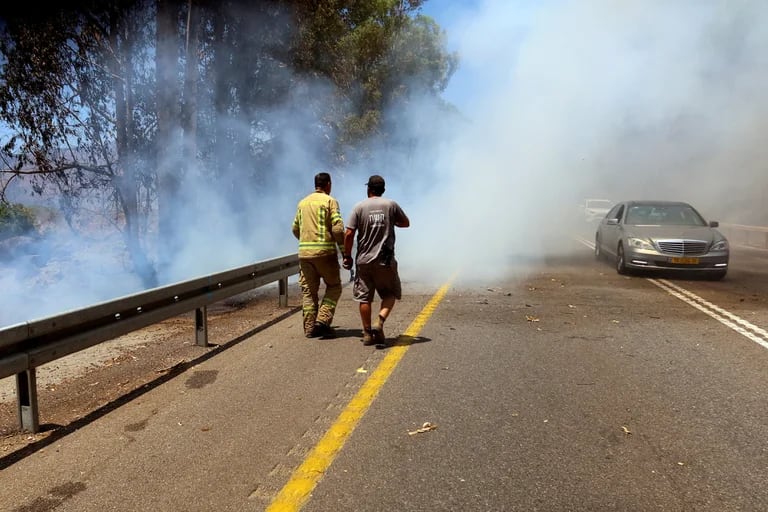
626	430
426	427
531	318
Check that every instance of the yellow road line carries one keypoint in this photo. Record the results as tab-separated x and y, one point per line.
296	492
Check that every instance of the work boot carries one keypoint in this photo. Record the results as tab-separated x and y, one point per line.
368	338
324	331
378	332
309	326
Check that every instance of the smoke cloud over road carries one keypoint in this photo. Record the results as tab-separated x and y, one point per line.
569	100
564	100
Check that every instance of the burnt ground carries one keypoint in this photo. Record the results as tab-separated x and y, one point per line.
90	385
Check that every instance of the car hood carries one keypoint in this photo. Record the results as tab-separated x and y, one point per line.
674	232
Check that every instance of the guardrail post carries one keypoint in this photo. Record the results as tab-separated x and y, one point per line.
201	326
283	289
26	393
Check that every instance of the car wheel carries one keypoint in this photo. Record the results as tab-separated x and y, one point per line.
598	252
621	266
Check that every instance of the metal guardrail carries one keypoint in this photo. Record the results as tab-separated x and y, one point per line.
28	345
740	234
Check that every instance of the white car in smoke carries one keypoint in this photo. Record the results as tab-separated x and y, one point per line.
595	209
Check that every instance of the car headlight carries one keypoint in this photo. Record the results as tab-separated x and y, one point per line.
640	243
720	245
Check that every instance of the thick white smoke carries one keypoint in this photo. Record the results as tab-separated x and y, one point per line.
570	99
558	100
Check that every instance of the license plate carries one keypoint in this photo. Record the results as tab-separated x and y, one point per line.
685	261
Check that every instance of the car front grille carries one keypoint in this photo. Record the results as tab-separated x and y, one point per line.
683	247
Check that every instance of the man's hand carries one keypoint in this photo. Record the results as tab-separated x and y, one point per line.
347	262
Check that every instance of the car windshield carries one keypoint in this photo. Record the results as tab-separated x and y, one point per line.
664	215
601	204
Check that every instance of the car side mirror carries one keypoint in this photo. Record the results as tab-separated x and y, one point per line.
714	224
612	222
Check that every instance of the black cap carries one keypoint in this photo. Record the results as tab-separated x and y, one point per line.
376	181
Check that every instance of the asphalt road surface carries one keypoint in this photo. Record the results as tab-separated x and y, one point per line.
560	387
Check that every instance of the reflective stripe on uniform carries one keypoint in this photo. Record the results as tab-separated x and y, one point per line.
317	245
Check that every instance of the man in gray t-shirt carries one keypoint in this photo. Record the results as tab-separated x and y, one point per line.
374	220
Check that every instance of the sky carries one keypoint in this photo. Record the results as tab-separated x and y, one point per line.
451	16
561	100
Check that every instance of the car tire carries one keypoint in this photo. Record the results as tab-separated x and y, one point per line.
621	265
598	252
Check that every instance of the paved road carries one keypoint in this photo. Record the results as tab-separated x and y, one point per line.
558	387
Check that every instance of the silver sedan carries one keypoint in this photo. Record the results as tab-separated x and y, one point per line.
661	236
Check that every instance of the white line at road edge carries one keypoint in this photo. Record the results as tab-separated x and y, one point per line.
741	326
751	331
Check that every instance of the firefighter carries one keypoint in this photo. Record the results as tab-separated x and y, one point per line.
319	228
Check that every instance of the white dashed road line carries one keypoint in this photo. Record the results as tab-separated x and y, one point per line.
738	324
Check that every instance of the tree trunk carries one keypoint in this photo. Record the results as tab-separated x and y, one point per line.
191	76
168	123
127	184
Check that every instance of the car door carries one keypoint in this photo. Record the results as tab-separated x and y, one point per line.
610	229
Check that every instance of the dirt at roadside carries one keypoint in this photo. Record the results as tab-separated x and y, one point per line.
80	387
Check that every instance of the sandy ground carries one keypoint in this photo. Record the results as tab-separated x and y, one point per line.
90	382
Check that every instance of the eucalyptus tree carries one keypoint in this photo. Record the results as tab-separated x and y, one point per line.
120	104
77	97
380	55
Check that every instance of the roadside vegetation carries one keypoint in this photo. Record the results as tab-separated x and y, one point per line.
16	220
112	108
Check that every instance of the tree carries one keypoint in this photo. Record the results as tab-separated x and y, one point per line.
119	106
75	94
379	54
169	144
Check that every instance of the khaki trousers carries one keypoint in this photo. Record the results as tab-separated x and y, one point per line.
313	271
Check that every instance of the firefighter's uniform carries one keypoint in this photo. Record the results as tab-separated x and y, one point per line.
319	227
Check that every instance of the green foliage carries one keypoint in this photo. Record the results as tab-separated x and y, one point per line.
80	78
380	54
97	122
15	220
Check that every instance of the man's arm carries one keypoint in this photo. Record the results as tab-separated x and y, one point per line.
401	219
337	224
347	260
349	240
338	234
295	229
